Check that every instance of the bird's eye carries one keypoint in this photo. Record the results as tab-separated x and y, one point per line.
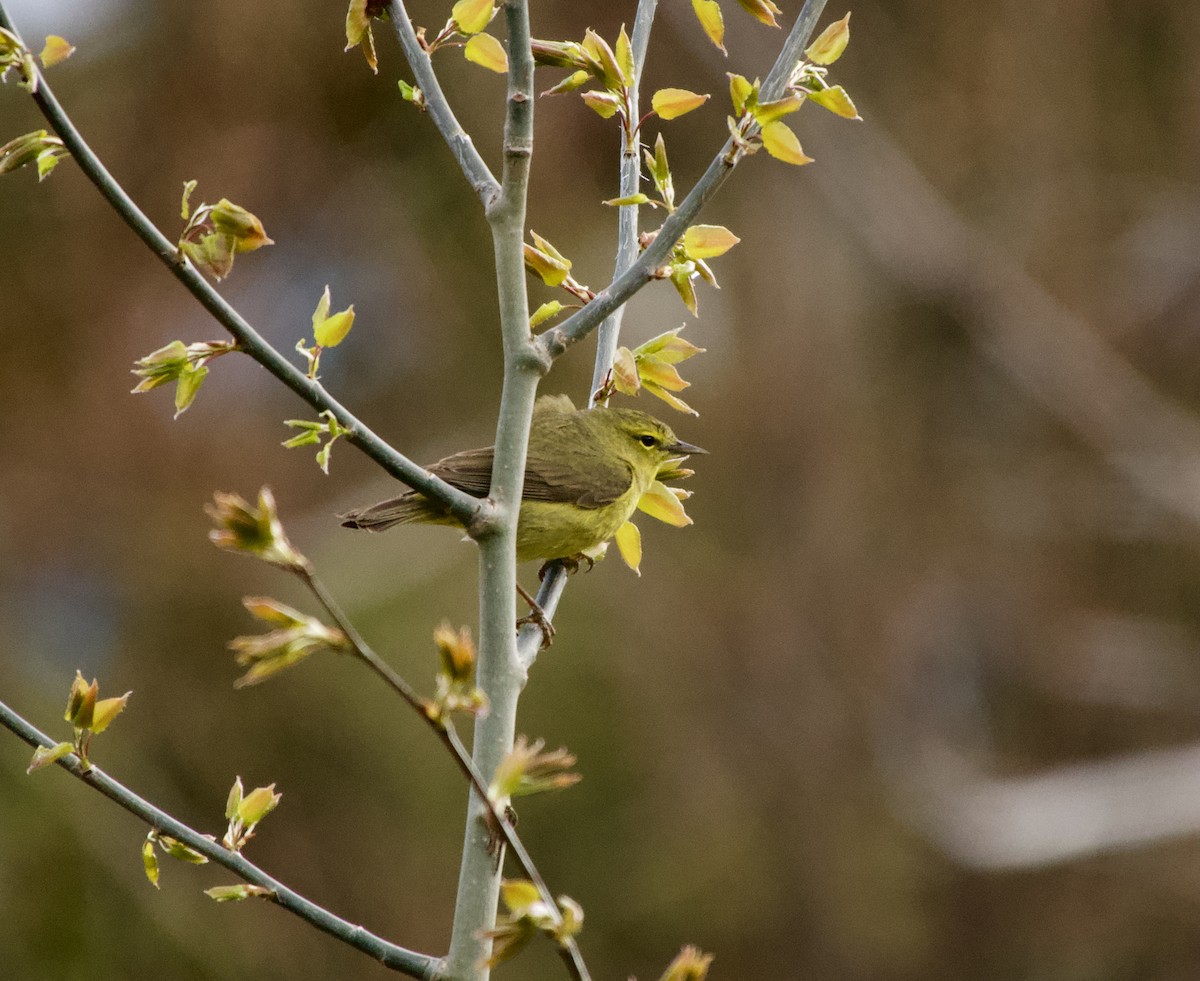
647	440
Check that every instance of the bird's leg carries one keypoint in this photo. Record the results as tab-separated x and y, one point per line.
569	562
536	615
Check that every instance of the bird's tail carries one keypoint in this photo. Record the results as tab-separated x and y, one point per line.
385	514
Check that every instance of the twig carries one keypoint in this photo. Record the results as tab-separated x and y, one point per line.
473	166
444	730
470	510
391	955
575	328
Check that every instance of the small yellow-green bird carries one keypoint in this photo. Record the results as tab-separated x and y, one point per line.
584	473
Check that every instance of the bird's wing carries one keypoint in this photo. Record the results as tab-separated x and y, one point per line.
470	470
586	483
547	478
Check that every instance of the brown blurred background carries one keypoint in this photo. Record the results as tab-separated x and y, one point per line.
918	696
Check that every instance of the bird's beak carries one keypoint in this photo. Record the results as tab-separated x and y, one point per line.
687	449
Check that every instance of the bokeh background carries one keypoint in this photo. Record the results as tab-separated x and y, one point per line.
917	696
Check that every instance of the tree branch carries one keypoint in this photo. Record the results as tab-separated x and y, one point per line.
449	738
473	166
575	328
463	506
391	955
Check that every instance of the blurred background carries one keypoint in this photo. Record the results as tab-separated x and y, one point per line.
917	696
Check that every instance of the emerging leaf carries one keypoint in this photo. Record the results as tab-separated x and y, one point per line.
629	544
57	50
708	241
106	710
768	112
742	93
612	74
543	313
689	965
673	103
837	100
782	144
660	503
761	10
625	372
625	56
236	893
570	83
603	104
241	527
708	12
150	861
830	43
528	770
472	16
358	31
43	756
485	50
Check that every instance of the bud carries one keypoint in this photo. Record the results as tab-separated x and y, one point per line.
255	531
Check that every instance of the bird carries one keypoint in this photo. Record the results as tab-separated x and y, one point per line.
584	472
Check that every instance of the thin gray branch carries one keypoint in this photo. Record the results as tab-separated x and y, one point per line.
478	175
391	955
576	327
465	507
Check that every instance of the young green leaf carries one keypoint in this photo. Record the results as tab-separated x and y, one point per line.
830	43
673	103
486	51
837	100
708	12
782	144
708	241
761	10
629	544
472	16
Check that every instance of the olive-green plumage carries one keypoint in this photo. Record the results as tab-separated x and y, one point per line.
584	473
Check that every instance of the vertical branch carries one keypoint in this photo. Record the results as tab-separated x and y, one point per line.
500	673
530	640
627	215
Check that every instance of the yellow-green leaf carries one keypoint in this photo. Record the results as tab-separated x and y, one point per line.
708	12
768	112
830	43
638	198
106	710
629	544
603	104
674	401
660	503
661	374
672	103
150	862
625	56
625	372
485	50
741	92
761	10
43	756
57	50
472	16
543	313
836	100
708	241
333	330
519	894
782	144
569	84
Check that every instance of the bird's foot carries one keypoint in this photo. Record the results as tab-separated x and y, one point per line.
569	562
536	615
